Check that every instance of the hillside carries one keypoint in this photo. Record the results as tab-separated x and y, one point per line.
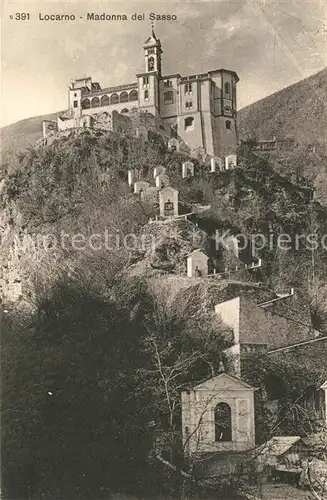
79	185
297	117
114	308
20	135
298	111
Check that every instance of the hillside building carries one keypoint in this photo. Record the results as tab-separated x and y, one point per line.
259	328
282	454
200	110
168	202
218	416
197	264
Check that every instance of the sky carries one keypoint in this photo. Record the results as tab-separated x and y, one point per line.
269	43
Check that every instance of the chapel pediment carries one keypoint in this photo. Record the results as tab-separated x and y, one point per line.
224	382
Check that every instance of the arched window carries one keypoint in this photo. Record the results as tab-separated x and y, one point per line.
151	64
104	100
95	102
188	104
114	99
227	109
86	104
227	88
146	95
228	125
124	110
133	96
189	123
223	422
123	97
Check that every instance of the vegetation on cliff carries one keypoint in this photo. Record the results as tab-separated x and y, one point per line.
94	370
296	116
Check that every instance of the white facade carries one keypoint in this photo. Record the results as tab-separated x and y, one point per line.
230	312
197	110
160	169
216	163
230	162
168	202
197	264
204	431
140	186
187	169
130	177
232	243
162	180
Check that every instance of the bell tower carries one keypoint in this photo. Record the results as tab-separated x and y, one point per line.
152	54
148	82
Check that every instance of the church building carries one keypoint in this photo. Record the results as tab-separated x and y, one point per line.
218	416
199	110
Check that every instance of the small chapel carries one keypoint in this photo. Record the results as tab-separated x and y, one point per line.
218	416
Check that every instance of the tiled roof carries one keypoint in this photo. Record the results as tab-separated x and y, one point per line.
197	251
64	118
278	445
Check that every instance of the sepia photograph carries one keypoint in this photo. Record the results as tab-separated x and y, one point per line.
163	250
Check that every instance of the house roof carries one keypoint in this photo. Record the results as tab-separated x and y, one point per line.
82	79
170	188
163	174
64	118
152	41
235	383
324	385
278	445
198	250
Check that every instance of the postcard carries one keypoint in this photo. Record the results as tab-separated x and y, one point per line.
163	237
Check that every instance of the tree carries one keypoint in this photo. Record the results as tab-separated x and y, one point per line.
72	398
180	351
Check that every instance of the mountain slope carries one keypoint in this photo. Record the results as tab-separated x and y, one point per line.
21	135
298	111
